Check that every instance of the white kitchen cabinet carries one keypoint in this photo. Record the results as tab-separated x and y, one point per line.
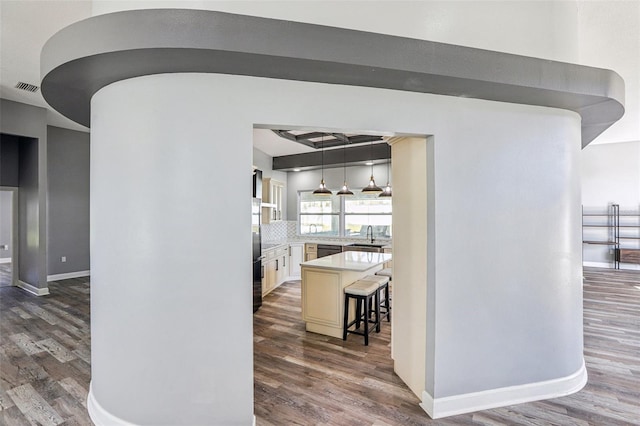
273	193
282	269
310	251
296	256
276	269
270	276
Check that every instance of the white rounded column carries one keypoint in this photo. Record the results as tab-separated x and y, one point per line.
170	245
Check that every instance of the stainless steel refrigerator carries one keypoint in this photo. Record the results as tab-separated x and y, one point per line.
257	254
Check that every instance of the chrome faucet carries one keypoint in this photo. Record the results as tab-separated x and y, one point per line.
370	228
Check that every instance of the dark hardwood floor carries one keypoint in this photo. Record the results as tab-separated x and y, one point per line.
307	379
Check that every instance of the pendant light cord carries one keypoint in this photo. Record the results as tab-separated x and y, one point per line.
344	162
322	155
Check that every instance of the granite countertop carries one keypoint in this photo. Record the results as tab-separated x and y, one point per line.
349	261
271	245
343	242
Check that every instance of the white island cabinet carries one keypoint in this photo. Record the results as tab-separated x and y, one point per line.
296	254
323	283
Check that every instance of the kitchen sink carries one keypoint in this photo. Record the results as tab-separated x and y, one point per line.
368	247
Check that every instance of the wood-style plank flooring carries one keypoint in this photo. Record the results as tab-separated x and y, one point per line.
45	355
306	379
5	274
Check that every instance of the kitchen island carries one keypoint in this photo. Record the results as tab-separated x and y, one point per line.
323	283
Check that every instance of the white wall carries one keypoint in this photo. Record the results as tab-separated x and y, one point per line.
507	213
171	304
609	37
610	174
496	166
544	29
493	323
604	34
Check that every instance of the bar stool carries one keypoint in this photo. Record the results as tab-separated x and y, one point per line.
386	272
384	302
369	293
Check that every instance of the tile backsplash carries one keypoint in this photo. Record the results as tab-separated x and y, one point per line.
287	230
278	231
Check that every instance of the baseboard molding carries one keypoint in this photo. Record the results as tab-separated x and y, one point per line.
99	415
66	276
32	289
459	404
102	417
609	265
598	264
5	260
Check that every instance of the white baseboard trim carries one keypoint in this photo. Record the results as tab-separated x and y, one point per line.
66	276
99	415
33	290
5	260
459	404
609	265
102	417
598	264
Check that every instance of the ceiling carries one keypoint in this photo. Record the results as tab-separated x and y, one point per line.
26	25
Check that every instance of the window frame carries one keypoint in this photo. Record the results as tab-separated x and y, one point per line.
342	215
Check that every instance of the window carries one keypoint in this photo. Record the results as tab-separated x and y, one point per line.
319	215
361	211
344	216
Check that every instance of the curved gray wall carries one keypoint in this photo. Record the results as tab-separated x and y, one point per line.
507	265
505	176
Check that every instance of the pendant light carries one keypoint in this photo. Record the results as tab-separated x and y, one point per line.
387	189
345	189
372	187
322	189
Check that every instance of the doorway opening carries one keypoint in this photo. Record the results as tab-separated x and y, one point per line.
8	236
289	361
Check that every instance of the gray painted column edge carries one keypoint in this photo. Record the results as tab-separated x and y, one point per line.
90	54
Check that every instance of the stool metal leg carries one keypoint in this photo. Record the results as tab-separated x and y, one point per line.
366	322
377	298
387	303
346	317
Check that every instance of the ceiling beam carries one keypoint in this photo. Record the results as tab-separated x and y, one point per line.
353	155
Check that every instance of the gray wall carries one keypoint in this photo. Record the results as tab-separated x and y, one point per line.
8	160
264	162
8	177
357	178
29	208
5	223
30	123
68	170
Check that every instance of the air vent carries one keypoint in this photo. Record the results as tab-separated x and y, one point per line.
26	86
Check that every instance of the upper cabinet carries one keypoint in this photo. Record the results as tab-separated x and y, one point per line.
273	193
